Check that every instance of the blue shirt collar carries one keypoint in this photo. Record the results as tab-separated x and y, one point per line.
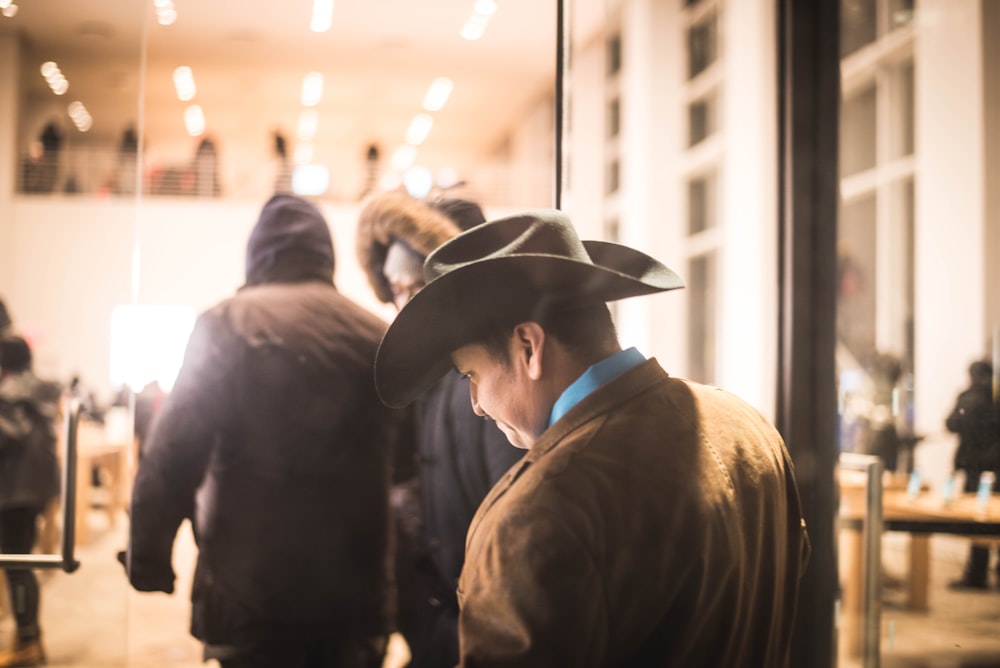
598	374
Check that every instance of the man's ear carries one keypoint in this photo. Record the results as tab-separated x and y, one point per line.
529	339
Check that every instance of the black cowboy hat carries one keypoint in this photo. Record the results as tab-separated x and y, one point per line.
504	268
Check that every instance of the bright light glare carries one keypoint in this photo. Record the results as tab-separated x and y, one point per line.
474	27
322	16
403	158
10	11
437	93
486	7
184	83
166	17
308	122
147	344
194	120
4	4
418	181
312	89
419	128
310	180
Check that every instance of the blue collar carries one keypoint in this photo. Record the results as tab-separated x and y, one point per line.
598	374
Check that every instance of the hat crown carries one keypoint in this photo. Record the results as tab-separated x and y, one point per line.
545	233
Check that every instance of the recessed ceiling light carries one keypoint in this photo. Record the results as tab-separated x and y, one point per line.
194	120
312	89
419	128
322	16
437	94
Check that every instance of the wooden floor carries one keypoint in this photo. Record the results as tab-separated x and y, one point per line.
92	619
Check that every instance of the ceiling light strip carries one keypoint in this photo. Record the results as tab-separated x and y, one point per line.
322	15
475	25
437	94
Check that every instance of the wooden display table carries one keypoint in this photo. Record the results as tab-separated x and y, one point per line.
920	515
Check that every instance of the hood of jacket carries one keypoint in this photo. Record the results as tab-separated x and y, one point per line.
394	216
290	243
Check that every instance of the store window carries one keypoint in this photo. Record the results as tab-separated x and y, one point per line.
702	45
701	272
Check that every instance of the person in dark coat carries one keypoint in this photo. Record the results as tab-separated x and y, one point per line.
976	419
459	456
274	444
653	521
29	482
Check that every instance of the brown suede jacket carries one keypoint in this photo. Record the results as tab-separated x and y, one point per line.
657	523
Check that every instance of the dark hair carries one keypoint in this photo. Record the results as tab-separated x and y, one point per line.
584	329
15	355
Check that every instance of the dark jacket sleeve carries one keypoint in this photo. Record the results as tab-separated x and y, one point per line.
177	453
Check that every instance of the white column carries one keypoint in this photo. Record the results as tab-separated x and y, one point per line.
949	264
650	201
747	325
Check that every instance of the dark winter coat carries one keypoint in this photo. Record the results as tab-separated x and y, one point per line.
273	440
459	454
976	420
29	468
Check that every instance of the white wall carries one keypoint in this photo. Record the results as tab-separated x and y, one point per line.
950	219
70	263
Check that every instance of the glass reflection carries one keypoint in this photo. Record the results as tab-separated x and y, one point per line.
196	116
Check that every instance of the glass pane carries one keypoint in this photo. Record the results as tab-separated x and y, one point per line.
701	203
71	80
912	352
614	54
857	132
701	286
901	13
702	46
901	108
614	118
857	280
122	232
701	119
858	25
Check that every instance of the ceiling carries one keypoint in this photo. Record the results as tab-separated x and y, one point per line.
249	59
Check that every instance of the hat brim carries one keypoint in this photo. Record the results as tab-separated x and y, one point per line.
449	312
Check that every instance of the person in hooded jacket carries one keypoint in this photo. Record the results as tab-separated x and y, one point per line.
459	455
29	481
274	444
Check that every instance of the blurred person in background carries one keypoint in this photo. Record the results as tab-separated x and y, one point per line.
6	323
29	481
275	445
459	456
976	419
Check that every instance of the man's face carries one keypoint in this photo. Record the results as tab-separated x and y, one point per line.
504	393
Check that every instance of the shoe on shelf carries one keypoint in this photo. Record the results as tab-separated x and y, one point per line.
964	582
23	653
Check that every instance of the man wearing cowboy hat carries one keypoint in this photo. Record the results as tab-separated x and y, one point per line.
653	521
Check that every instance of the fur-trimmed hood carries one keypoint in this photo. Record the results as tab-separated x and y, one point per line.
391	216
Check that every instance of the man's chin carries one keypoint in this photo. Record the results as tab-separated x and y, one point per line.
513	437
